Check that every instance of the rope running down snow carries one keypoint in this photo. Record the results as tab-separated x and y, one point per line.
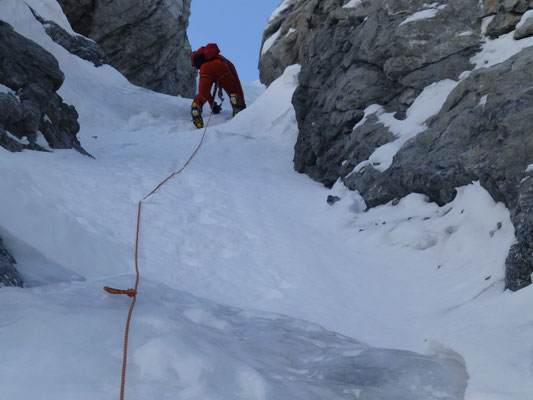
133	292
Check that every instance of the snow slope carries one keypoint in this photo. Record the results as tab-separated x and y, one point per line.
252	286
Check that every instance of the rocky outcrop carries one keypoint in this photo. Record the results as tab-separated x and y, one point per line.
29	104
385	53
482	133
9	275
74	44
525	29
146	41
355	57
506	16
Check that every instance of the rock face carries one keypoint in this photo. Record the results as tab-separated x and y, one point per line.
482	133
9	276
355	57
385	53
29	104
145	40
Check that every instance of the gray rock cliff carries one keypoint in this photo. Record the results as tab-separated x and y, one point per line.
29	104
385	52
145	40
482	133
355	57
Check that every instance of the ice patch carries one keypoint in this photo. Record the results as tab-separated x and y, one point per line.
260	357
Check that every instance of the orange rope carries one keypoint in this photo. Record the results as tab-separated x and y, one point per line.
185	165
133	292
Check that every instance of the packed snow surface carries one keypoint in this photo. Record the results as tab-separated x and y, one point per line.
252	286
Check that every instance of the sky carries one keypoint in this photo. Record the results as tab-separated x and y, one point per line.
236	26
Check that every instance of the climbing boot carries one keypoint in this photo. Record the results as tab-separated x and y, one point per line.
196	113
236	104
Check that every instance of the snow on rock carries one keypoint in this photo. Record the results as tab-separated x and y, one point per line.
5	89
281	8
524	28
270	41
496	51
352	4
424	14
368	56
426	105
50	10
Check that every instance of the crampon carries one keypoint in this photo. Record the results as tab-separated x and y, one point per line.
196	113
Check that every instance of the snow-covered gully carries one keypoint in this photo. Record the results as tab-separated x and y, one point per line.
252	286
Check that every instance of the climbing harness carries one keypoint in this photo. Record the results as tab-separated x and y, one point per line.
220	93
134	291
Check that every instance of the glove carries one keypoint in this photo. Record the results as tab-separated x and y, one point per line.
217	108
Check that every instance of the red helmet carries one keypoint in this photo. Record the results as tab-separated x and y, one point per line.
204	54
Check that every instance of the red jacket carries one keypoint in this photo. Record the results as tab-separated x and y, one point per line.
221	70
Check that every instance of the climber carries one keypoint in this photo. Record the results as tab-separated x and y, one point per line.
215	69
